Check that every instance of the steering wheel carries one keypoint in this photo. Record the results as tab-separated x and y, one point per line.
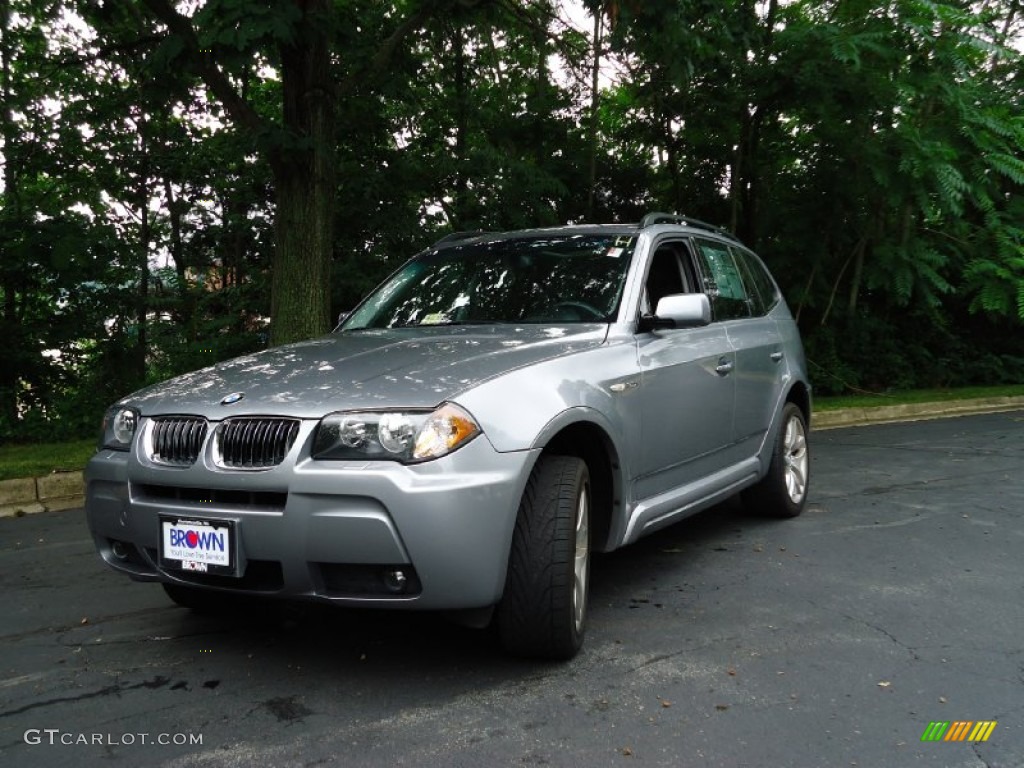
581	307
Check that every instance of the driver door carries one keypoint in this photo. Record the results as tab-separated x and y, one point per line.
687	391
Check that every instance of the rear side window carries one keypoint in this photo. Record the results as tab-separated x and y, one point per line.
763	292
722	281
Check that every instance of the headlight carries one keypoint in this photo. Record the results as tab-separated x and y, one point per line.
406	436
395	432
119	425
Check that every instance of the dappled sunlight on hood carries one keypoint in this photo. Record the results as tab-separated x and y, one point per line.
410	367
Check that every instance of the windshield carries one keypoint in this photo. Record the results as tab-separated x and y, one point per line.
564	279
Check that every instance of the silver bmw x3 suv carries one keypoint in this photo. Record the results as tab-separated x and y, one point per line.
501	407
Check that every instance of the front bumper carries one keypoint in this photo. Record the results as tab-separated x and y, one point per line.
324	530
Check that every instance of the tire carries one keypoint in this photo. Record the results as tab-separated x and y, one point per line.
543	612
201	601
783	491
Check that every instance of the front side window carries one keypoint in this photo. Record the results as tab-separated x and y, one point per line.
667	274
722	281
553	279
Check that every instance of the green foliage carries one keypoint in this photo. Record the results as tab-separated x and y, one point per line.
870	151
831	403
243	26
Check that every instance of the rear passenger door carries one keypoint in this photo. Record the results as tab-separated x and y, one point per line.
738	302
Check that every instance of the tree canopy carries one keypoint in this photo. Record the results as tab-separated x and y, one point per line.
184	182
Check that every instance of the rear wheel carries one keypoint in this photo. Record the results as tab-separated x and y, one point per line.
783	491
543	613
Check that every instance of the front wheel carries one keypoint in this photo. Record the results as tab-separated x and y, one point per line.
543	612
783	491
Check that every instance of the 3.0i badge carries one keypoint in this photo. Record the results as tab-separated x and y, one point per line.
233	398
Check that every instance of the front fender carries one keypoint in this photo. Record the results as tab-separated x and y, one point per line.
522	409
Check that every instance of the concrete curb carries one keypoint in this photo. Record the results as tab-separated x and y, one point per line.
66	490
882	414
50	493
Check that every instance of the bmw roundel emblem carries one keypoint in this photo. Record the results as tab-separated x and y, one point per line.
233	398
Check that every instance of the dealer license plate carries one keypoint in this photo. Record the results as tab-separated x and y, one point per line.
198	546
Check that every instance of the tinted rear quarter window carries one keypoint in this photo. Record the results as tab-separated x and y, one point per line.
762	288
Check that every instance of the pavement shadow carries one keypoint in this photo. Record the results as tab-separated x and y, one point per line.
337	641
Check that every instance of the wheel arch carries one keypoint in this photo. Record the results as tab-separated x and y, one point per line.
800	395
591	442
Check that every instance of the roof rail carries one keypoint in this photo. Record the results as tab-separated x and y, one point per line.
674	218
456	236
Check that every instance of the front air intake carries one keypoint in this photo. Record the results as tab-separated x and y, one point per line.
254	442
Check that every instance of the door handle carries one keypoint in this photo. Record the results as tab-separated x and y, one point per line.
723	367
776	356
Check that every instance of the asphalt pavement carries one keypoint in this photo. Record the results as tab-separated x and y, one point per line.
833	639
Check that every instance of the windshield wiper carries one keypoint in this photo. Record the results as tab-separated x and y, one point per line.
474	322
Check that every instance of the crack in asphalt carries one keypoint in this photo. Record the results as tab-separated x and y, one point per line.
916	485
72	627
908	648
655	659
920	518
870	625
969	451
62	642
157	682
977	754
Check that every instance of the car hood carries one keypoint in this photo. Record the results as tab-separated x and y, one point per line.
407	368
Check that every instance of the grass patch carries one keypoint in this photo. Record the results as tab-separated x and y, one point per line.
37	459
916	396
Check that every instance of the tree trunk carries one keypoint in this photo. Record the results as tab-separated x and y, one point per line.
672	152
142	305
460	203
175	209
300	298
541	107
238	238
858	276
9	371
304	180
737	174
8	181
595	96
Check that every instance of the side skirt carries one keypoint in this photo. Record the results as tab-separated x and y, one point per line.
650	514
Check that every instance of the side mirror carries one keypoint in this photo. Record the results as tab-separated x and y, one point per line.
342	317
684	310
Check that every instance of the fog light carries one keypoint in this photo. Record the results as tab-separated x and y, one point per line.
120	550
395	580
